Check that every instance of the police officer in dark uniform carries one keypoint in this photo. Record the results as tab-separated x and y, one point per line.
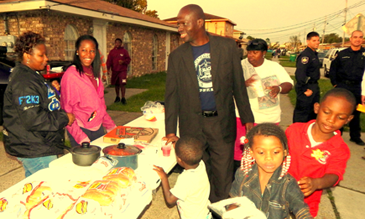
307	75
346	71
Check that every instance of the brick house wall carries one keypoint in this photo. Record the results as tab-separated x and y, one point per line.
49	24
142	39
175	41
52	26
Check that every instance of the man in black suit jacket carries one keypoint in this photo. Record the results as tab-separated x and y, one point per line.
202	77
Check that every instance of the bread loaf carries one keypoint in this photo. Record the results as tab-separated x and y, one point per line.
121	179
40	192
126	171
103	191
102	198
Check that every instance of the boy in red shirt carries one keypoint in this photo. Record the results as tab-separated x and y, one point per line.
319	154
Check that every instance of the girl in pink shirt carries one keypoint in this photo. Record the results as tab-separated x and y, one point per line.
83	94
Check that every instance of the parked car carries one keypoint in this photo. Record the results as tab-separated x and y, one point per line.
331	55
321	56
7	63
6	66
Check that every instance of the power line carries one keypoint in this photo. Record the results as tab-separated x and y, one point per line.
307	25
317	20
331	21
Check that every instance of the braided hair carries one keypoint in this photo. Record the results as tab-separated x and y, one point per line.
267	129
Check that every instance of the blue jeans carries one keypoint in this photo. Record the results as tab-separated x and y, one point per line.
32	165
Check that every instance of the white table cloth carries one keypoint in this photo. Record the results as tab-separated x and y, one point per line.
151	155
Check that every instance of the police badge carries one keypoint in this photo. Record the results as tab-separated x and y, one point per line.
305	60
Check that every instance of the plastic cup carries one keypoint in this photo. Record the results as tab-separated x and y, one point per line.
360	108
166	150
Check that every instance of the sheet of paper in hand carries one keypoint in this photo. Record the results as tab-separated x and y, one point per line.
243	208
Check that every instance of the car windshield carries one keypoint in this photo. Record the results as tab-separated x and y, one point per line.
328	53
321	55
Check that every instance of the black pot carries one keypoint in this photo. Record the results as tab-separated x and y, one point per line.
85	154
126	155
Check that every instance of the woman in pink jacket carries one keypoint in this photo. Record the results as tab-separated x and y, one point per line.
83	94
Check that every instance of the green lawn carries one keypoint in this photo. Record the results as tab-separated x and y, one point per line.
284	61
268	56
155	83
325	85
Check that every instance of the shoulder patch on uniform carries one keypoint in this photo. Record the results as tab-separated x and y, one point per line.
304	60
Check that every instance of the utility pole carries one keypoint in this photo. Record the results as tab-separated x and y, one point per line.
324	29
343	35
304	35
314	27
358	22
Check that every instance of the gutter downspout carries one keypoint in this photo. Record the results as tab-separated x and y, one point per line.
6	27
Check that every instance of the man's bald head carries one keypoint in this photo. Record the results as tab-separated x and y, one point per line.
191	25
356	31
195	10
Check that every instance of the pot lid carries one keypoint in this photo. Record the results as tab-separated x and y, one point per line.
121	150
85	149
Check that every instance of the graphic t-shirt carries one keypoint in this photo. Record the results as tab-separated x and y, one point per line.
264	107
203	70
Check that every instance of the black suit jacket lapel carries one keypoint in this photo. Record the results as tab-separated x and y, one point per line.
188	59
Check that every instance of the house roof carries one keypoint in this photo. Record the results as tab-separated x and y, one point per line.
208	17
93	8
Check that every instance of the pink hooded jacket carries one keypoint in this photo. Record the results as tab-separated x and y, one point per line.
79	96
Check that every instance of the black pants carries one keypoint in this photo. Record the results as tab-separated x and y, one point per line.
91	134
355	129
304	110
218	158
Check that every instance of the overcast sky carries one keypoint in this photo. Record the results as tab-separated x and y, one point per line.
274	19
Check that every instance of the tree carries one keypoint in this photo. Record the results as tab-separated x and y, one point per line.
332	38
268	42
135	5
250	38
152	13
295	43
141	6
130	4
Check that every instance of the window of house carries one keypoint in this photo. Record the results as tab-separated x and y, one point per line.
127	44
70	38
154	52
